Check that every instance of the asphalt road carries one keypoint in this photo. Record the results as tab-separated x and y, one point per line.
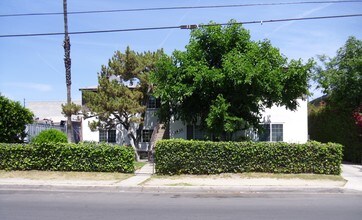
89	205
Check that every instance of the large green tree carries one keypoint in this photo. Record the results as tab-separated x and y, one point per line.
224	80
13	118
123	89
340	121
340	77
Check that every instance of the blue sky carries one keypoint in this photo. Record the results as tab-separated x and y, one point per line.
32	68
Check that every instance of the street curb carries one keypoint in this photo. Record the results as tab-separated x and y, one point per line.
181	189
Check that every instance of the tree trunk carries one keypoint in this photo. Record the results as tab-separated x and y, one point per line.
134	143
67	63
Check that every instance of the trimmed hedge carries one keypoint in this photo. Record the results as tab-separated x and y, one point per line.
205	157
67	157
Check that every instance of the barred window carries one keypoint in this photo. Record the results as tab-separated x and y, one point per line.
108	136
102	135
146	135
153	102
112	136
277	132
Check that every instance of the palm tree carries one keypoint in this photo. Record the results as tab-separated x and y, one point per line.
67	63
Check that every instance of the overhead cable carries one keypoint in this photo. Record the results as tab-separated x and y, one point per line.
192	26
182	8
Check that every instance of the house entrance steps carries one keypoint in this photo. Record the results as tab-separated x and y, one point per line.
141	175
157	134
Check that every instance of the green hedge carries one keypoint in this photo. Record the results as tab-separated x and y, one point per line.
205	157
67	157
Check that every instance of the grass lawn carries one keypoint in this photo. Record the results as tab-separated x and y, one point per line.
58	175
138	165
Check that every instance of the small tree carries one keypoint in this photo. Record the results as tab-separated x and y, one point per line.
123	88
13	118
224	80
68	110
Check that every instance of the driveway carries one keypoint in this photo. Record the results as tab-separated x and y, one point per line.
353	174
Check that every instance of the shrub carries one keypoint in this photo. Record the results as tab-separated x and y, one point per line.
50	136
206	157
67	157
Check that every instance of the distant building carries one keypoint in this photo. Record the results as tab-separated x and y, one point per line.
48	114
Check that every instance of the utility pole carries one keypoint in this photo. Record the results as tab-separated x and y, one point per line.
67	63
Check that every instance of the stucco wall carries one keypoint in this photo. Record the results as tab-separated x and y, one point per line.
295	123
87	134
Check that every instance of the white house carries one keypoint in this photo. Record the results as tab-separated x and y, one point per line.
279	124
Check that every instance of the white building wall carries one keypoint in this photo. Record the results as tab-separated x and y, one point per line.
151	119
295	123
177	129
87	134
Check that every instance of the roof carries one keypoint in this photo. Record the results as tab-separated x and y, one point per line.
48	110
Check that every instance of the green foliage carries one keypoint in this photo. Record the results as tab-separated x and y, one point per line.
225	80
13	118
50	136
67	157
341	76
205	157
70	109
327	124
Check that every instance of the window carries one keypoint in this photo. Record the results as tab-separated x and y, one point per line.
108	136
153	102
146	135
277	132
102	135
271	132
111	136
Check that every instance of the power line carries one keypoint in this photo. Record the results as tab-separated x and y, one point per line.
192	26
182	8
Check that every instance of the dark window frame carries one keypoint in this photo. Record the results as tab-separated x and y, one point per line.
108	135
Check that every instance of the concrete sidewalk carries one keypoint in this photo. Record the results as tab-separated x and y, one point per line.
228	183
353	174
